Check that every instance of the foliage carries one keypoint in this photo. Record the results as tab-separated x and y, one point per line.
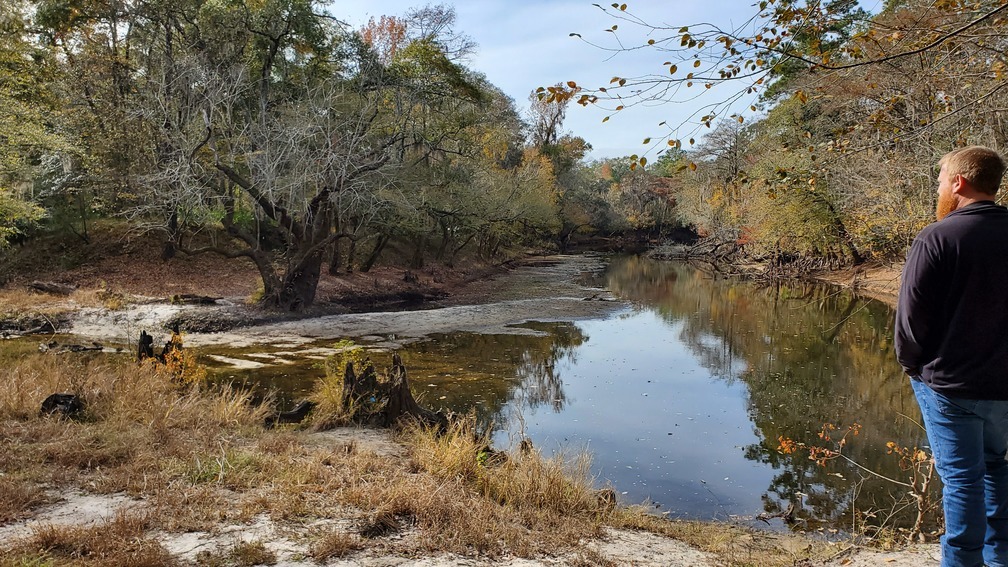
916	463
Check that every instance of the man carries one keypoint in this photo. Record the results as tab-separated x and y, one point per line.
952	339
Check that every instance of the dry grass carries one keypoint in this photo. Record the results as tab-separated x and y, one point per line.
18	497
333	544
241	554
121	541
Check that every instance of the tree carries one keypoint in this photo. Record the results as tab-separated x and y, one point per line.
782	39
27	133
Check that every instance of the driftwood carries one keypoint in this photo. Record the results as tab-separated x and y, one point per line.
9	330
52	287
390	400
55	347
64	405
192	299
295	415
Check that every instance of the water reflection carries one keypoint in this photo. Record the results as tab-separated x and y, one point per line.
807	355
468	371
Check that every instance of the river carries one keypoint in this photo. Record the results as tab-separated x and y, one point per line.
679	384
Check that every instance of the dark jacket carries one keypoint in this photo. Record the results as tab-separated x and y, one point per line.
952	314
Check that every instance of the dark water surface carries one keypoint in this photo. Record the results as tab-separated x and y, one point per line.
682	398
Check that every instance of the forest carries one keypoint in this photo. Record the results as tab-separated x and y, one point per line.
273	131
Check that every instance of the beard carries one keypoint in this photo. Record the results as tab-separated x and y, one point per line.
946	204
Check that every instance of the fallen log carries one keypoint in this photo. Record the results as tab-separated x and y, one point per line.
295	415
55	347
192	299
52	287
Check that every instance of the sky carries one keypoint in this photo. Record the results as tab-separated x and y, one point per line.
524	44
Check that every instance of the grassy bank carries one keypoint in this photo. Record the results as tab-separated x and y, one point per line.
192	459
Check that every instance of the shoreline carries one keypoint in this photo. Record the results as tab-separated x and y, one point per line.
719	544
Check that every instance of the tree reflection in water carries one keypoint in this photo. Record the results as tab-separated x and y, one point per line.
485	372
808	355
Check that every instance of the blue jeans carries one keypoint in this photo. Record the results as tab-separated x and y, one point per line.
969	439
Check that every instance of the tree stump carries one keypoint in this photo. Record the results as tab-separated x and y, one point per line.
145	347
385	402
401	401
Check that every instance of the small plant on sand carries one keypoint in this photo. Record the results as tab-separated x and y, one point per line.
241	554
333	544
120	541
916	463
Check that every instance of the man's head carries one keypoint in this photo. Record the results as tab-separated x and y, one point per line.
968	175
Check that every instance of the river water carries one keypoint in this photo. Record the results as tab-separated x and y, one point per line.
683	396
678	383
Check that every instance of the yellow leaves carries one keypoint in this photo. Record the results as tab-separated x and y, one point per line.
650	42
692	166
673	69
572	85
801	95
646	141
620	7
696	63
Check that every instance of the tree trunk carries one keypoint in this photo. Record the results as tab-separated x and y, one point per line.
418	254
351	253
375	252
299	285
335	258
171	243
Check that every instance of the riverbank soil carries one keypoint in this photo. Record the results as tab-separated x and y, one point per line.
170	485
116	268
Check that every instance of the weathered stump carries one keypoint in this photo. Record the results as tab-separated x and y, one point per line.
145	347
401	401
388	401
